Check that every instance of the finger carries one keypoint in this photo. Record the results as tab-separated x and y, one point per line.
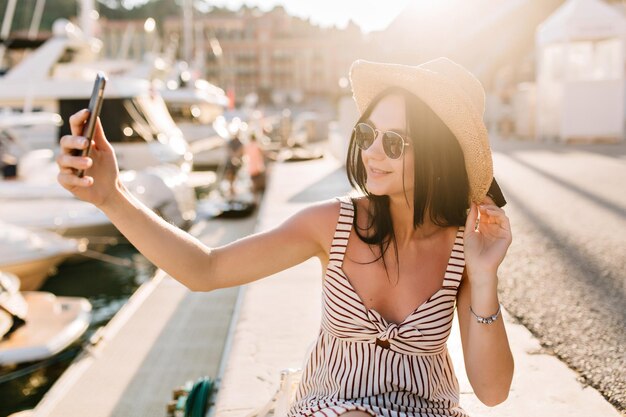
76	162
70	181
504	223
494	212
77	122
498	217
100	139
491	212
470	222
484	219
485	207
69	143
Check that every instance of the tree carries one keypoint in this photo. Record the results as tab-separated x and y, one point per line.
53	10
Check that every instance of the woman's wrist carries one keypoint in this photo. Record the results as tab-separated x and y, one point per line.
483	280
484	295
118	195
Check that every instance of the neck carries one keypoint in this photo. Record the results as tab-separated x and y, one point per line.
402	215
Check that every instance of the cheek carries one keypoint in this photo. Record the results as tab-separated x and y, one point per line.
409	170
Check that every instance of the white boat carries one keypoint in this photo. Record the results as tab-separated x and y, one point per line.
67	217
32	255
209	152
13	307
36	200
194	107
37	124
193	102
58	77
167	190
51	323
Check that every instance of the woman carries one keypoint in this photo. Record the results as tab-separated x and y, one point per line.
420	155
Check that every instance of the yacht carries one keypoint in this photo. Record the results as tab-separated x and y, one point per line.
36	325
57	77
33	255
193	102
34	199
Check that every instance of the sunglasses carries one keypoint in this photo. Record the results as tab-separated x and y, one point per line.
393	143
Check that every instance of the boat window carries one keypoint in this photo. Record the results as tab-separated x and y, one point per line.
122	120
141	124
68	56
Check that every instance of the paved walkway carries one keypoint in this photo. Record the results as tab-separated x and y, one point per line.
280	316
164	336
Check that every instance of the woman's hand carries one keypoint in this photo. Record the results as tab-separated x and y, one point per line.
486	247
101	172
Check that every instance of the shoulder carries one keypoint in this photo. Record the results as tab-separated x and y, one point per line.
321	218
322	213
317	222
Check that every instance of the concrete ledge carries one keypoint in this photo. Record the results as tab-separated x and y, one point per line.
280	315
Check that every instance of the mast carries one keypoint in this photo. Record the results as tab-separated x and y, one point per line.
187	30
34	24
8	19
86	17
6	26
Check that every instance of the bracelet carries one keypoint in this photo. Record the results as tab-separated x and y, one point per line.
486	320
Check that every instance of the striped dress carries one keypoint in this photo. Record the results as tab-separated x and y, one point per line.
362	362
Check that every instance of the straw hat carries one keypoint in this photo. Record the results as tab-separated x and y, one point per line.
452	92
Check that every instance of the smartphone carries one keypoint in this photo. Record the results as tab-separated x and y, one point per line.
95	104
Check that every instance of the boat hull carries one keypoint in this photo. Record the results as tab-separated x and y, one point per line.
33	273
53	324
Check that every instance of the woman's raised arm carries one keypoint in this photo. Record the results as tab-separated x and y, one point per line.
184	257
201	268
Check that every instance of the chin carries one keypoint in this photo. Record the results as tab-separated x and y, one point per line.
370	192
379	190
376	189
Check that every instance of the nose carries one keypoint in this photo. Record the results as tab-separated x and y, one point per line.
376	150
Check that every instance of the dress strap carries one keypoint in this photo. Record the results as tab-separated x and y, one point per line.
342	231
456	263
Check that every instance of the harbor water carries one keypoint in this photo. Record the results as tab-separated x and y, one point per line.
107	286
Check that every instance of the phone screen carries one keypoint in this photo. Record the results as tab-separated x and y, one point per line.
95	104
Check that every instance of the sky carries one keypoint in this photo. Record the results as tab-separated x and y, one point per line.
370	15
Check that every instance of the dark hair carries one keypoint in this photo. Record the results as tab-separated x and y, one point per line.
440	179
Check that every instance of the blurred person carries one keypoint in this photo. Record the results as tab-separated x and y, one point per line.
425	236
285	127
9	151
234	161
256	164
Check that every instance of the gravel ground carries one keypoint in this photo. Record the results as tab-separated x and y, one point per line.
564	275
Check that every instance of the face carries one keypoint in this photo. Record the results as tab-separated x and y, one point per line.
384	175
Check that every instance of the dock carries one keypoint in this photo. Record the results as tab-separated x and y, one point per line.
164	336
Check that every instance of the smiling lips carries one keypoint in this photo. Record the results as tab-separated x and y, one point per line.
378	171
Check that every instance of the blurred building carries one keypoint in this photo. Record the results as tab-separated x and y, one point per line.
272	54
126	39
